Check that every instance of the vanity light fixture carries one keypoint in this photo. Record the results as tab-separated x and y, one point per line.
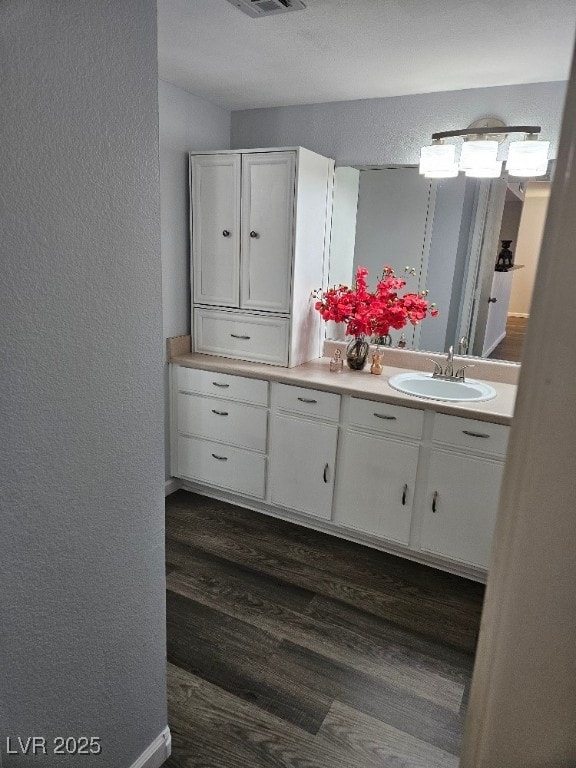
527	158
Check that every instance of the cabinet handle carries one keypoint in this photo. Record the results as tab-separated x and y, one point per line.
474	434
226	233
307	400
404	494
492	300
220	458
217	384
325	473
385	416
220	413
239	336
434	500
254	235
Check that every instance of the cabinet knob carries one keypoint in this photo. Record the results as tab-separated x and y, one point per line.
254	234
226	233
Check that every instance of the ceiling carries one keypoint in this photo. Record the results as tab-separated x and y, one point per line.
338	50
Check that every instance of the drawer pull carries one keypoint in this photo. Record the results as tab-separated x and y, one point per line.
308	400
385	416
220	413
404	494
325	473
239	336
474	434
217	384
220	458
434	500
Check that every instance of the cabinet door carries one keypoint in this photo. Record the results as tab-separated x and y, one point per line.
267	230
301	470
461	504
375	485
216	229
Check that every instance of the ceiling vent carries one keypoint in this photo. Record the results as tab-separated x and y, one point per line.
258	8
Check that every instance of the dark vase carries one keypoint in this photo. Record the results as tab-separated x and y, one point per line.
356	353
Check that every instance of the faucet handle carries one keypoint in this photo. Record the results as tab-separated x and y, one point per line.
460	372
438	371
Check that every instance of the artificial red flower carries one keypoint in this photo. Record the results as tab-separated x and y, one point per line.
374	313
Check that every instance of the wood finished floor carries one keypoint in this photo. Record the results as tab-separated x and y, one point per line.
288	648
510	348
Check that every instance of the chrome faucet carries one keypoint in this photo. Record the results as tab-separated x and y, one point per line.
447	372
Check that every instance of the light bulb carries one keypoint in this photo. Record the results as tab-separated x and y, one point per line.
489	172
528	158
443	173
478	154
436	157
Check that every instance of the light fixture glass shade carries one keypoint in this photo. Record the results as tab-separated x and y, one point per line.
528	158
489	172
443	173
436	157
479	154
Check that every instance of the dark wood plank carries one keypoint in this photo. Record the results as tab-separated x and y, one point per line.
237	657
375	743
397	707
213	729
330	628
438	605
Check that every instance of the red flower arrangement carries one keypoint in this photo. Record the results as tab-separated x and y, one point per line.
374	313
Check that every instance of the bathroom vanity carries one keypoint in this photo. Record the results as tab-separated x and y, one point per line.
344	453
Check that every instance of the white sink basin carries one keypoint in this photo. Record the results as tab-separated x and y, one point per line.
424	385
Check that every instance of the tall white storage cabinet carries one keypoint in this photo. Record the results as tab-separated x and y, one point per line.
260	223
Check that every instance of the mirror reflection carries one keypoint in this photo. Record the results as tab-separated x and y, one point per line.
451	233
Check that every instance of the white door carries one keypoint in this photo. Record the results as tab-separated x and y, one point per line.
460	506
268	180
301	464
375	485
216	229
498	300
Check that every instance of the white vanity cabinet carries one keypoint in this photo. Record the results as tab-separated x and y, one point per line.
220	423
463	489
377	465
303	440
411	481
260	228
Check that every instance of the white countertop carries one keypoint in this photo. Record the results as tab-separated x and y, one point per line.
316	374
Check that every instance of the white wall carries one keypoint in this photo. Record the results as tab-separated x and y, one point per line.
392	130
186	123
527	248
81	518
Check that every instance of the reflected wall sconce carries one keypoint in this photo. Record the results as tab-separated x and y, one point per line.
527	157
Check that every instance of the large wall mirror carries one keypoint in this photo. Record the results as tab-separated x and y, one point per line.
450	232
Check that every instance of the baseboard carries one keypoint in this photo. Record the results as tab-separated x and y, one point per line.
157	753
171	485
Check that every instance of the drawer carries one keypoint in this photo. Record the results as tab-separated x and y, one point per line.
469	433
382	417
242	336
223	420
311	402
231	387
231	468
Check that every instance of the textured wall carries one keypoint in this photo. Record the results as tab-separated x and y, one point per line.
392	130
81	518
186	123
